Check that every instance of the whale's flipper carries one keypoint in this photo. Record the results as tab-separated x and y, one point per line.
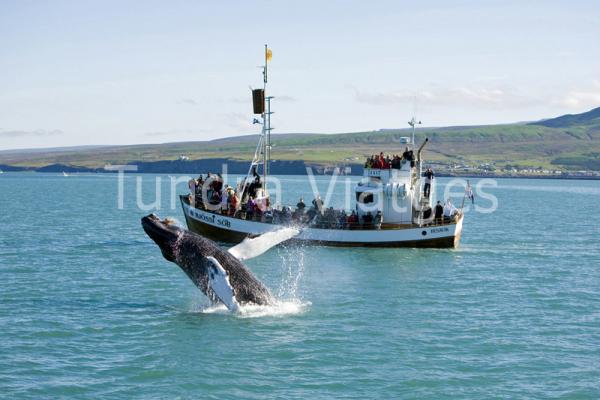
218	281
250	248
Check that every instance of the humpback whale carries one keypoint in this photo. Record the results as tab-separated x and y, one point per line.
217	272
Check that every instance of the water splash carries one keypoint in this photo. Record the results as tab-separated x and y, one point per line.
287	296
292	262
173	221
277	309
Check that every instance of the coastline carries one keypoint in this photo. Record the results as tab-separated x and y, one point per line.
292	167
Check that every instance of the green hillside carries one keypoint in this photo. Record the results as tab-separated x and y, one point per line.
569	142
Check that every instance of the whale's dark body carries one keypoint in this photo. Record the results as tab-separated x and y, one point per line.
192	252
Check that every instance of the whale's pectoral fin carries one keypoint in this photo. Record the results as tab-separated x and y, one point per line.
253	247
218	281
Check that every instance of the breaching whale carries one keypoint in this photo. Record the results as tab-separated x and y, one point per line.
217	272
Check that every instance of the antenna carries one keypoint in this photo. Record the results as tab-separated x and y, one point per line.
413	121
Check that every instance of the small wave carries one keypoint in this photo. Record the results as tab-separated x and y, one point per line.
278	309
553	189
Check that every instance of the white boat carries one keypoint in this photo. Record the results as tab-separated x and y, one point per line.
233	230
391	207
65	174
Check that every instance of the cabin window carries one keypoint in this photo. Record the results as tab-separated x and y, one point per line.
364	197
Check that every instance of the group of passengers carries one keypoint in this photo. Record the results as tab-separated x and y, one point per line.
330	218
444	214
381	161
225	200
219	197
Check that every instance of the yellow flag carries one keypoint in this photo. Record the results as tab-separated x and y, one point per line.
269	55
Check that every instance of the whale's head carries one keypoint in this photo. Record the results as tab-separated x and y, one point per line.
164	233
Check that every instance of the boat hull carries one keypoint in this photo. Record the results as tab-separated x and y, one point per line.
234	230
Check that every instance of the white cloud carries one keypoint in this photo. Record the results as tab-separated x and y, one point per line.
506	97
175	133
286	99
37	132
583	98
237	121
188	101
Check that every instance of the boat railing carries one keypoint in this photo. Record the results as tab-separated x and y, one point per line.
318	221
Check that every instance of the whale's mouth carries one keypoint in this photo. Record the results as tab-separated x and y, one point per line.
163	233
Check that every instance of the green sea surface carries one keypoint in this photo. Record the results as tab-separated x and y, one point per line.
90	309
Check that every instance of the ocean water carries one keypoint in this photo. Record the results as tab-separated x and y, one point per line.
90	309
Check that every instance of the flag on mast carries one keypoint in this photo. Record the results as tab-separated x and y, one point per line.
268	54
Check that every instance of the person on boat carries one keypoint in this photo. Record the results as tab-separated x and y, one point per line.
255	184
192	186
252	189
301	205
233	203
352	220
378	219
384	163
200	187
192	195
258	214
297	215
449	211
250	208
329	220
438	212
367	220
286	215
224	202
318	203
268	216
257	181
255	174
276	215
216	198
342	220
406	154
311	213
209	183
429	175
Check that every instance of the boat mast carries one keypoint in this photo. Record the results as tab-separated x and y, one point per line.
266	123
263	146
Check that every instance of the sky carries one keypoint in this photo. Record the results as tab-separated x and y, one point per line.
124	72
